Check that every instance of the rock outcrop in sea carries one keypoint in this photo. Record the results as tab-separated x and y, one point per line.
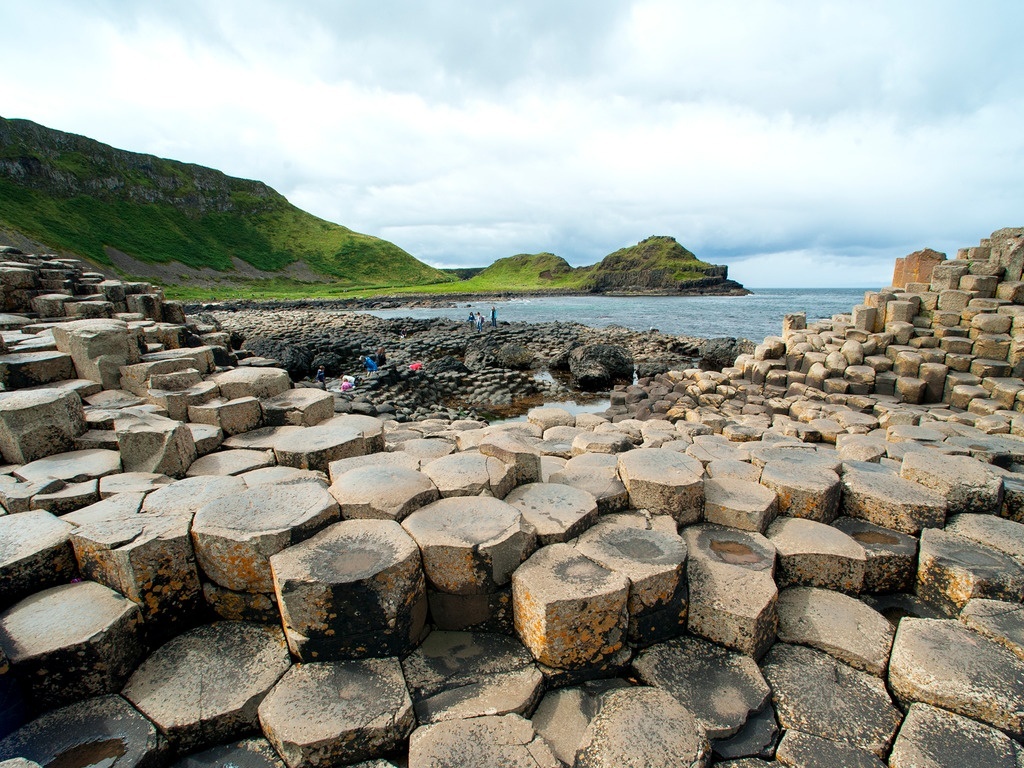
812	556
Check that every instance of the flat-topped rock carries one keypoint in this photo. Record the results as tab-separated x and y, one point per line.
235	536
998	533
72	466
623	733
98	347
797	748
37	423
506	740
515	451
878	495
952	569
965	483
188	495
740	504
262	438
105	730
427	448
457	675
382	492
563	715
600	442
230	462
598	479
316	447
549	417
392	459
891	564
654	562
71	642
470	545
354	590
204	687
997	620
934	738
805	488
817	694
813	554
233	417
838	624
132	482
557	512
155	444
470	474
35	553
665	482
333	712
275	475
303	407
719	688
247	753
36	368
944	664
252	382
569	610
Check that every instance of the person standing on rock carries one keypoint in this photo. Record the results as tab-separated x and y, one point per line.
472	320
381	356
479	322
371	367
494	317
321	377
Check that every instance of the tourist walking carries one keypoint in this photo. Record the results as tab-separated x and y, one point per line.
494	317
321	377
479	322
472	320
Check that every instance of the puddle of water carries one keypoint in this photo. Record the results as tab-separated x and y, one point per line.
735	553
875	537
95	754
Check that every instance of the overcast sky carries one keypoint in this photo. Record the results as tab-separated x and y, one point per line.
801	143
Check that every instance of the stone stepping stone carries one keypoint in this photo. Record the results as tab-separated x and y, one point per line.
996	620
623	733
102	731
132	482
261	439
337	712
891	564
803	750
934	738
71	642
382	492
30	369
732	590
16	497
69	498
391	459
235	536
470	545
38	423
876	494
356	589
151	443
275	475
813	554
563	715
316	447
99	348
952	569
757	738
654	562
664	482
600	442
304	407
943	663
548	417
965	483
998	533
116	507
805	489
516	451
457	675
203	687
147	558
248	753
569	611
230	462
470	474
598	479
788	450
816	694
72	467
838	624
719	688
732	469
707	448
508	741
740	504
232	417
252	382
557	512
230	605
549	465
427	448
860	448
34	554
187	496
206	437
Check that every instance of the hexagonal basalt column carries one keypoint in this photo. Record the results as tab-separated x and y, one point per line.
952	569
558	512
880	496
316	447
236	535
664	482
329	713
71	642
569	611
203	687
354	590
740	504
469	474
382	492
470	545
654	562
813	554
891	564
37	423
34	553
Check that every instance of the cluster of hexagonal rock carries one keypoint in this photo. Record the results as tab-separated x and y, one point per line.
725	589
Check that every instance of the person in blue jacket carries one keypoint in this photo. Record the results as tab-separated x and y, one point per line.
371	366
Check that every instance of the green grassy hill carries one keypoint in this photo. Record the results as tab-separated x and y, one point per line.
83	197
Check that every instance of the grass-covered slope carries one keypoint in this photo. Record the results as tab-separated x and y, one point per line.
81	196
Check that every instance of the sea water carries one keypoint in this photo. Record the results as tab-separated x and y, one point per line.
749	317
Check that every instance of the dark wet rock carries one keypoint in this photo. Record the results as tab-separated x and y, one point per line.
507	740
598	366
247	753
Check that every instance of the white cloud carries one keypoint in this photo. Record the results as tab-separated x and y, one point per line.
812	139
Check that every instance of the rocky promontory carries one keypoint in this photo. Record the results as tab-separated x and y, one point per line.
811	555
